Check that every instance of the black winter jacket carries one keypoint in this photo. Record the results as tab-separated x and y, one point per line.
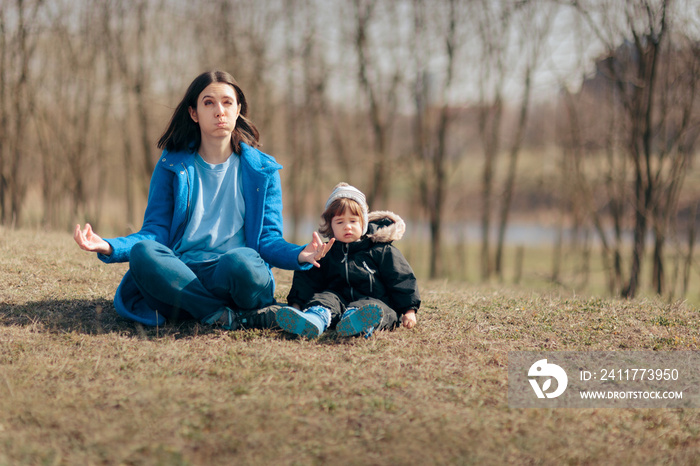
369	268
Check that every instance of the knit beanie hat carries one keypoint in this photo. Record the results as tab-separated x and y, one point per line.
344	190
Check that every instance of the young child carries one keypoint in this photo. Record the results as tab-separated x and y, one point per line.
363	283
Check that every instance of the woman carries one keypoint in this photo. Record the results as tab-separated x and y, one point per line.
213	223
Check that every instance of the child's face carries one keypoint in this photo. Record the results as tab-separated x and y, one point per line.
347	227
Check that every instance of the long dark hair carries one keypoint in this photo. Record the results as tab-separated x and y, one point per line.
184	134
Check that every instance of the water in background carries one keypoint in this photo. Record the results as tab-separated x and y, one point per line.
517	233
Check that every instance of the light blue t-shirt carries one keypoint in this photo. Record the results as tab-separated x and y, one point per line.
218	210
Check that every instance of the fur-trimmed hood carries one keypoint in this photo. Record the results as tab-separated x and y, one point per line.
385	227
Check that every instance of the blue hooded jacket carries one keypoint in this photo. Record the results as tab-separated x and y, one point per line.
168	210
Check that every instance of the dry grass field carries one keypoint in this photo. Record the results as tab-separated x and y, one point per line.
81	386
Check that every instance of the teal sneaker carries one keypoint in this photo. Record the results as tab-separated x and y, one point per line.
360	320
308	324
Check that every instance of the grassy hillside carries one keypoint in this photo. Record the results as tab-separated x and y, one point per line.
79	385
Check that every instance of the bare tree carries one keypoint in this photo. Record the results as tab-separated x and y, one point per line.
583	192
131	51
80	88
294	124
305	103
433	114
493	30
533	24
379	80
587	131
642	72
19	46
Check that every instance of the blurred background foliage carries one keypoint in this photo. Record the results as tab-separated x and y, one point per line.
490	126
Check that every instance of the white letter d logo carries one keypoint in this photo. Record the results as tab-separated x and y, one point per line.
542	369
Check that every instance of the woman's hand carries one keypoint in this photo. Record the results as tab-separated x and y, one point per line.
408	320
315	250
90	241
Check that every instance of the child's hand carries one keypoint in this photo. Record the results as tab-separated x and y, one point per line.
408	320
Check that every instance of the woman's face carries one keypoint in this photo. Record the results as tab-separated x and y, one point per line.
217	111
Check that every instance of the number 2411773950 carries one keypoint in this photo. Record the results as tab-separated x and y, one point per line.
638	374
